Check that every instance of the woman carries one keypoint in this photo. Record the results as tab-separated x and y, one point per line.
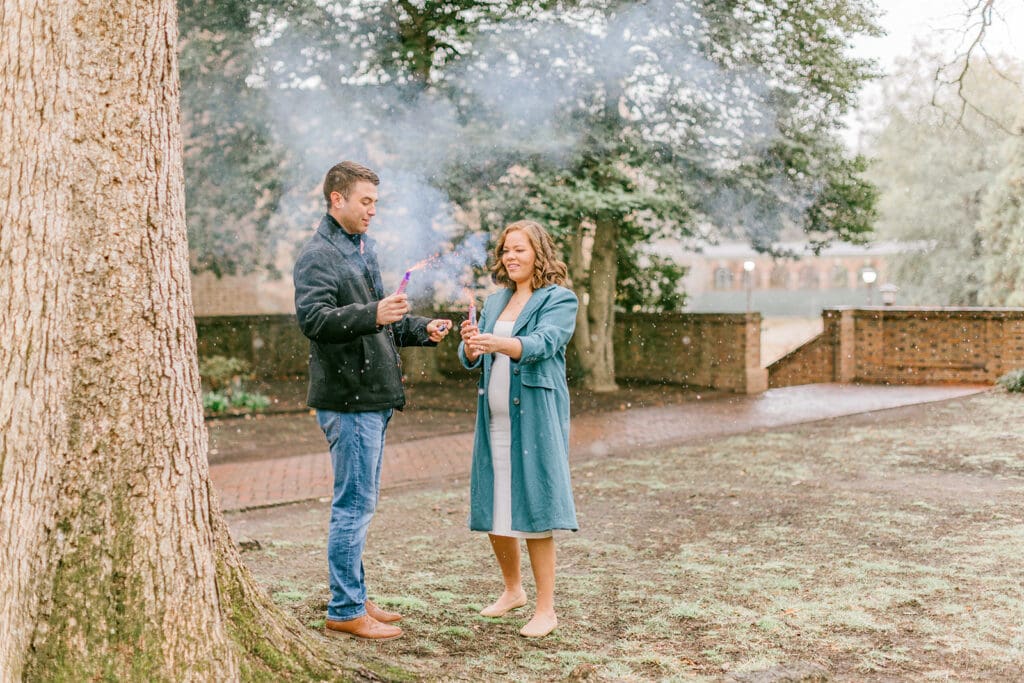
519	486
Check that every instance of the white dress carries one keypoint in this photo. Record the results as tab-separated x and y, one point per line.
501	441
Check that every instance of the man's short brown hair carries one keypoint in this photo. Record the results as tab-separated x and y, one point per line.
342	177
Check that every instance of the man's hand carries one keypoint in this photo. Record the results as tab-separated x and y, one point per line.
438	329
392	308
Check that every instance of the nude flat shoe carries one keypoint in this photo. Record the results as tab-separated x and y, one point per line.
492	611
540	633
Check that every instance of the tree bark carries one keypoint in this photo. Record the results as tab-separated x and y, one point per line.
595	320
577	262
115	562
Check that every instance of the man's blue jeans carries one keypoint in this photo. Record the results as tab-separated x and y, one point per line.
357	450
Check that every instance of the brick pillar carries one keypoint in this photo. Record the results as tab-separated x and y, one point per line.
839	330
756	376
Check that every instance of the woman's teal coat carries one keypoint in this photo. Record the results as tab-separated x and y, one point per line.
539	407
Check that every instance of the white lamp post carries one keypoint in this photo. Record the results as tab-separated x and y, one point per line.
869	276
888	293
748	276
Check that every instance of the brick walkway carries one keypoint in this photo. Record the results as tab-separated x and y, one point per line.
303	477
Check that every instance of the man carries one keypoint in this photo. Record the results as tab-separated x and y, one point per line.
355	379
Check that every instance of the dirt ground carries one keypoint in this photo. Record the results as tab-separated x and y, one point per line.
880	547
432	409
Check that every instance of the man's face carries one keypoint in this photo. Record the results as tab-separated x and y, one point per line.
355	211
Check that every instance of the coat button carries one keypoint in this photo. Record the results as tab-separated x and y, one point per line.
516	371
515	401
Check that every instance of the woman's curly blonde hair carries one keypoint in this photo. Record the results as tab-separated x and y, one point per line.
548	269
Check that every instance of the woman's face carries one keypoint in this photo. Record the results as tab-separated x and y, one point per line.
518	257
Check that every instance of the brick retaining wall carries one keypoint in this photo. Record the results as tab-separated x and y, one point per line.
716	350
907	346
720	351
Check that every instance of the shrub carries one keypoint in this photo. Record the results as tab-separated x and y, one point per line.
249	400
1012	381
225	379
221	372
215	402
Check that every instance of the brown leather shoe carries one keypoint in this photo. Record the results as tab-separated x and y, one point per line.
379	614
364	626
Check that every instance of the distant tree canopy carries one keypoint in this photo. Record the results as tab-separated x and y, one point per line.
935	162
740	109
615	123
1001	226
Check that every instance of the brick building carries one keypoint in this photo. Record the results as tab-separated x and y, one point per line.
799	285
715	282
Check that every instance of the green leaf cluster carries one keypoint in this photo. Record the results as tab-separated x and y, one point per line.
685	119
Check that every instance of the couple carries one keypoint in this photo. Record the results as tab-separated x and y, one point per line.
520	474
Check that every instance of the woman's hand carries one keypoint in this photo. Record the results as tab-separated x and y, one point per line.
489	343
468	332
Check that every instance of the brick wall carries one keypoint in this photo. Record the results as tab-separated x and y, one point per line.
242	295
908	346
811	363
272	344
711	350
721	351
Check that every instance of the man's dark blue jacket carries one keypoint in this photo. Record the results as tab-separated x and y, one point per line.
354	364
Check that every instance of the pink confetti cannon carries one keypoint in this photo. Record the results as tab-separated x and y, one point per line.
472	313
405	281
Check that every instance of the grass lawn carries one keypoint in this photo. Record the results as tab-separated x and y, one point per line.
885	546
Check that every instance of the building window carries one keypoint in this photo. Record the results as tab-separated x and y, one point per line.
840	277
723	278
809	278
780	276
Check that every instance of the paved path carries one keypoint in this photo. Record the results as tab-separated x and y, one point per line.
303	477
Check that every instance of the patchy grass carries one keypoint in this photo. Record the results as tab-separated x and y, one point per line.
876	547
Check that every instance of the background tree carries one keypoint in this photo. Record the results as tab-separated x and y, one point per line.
666	119
233	181
273	93
614	122
934	161
115	562
1001	226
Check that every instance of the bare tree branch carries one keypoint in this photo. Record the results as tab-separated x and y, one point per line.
979	16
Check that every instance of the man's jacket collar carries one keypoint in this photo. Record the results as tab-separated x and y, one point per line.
335	234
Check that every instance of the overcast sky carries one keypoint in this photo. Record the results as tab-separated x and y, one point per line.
936	22
940	22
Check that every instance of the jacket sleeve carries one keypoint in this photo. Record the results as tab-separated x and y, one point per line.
321	316
412	331
556	321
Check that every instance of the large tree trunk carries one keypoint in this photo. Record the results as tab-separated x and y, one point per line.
595	267
115	562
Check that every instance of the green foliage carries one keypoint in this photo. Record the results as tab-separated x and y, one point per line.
655	179
216	402
650	284
233	180
225	378
704	98
1001	229
1012	381
249	400
220	371
934	167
